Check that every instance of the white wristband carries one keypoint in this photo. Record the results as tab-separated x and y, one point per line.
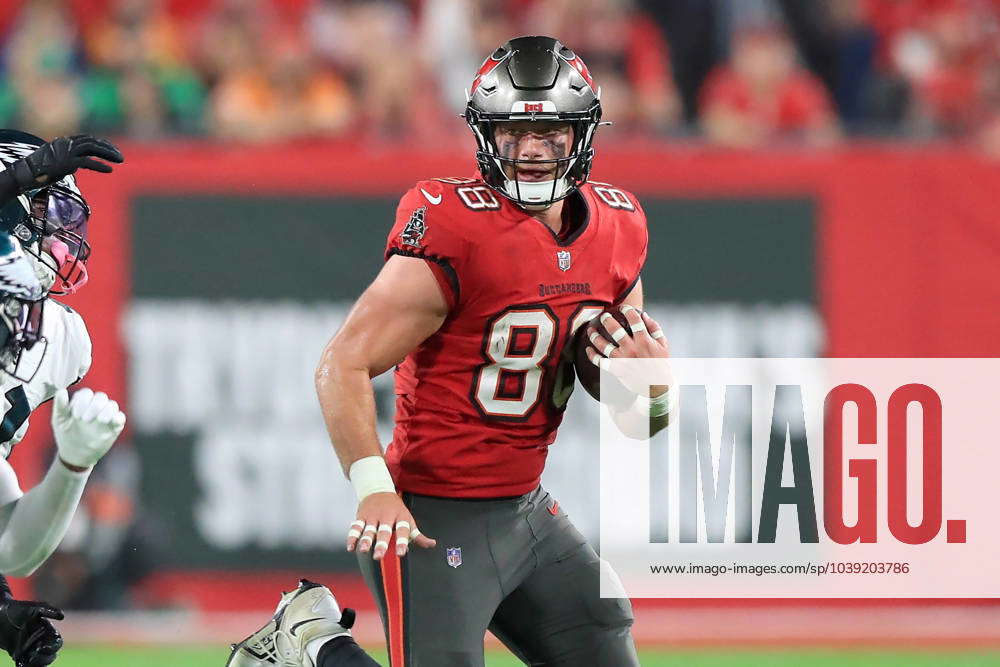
658	406
370	475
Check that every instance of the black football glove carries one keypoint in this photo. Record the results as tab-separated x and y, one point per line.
26	633
63	156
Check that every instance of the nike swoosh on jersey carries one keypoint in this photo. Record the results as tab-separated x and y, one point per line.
433	200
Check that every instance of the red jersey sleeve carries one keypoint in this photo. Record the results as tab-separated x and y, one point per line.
634	242
423	229
643	239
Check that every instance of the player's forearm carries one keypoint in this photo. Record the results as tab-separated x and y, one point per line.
39	520
646	417
347	399
659	419
638	426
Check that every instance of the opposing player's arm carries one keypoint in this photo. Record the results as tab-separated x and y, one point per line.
399	310
32	526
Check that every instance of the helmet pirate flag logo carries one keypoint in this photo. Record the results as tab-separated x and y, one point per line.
415	228
564	259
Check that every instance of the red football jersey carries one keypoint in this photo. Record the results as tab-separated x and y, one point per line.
479	402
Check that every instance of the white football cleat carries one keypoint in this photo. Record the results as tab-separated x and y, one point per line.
257	650
307	613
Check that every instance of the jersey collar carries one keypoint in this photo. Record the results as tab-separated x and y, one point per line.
576	200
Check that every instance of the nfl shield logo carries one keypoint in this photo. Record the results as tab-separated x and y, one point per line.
454	556
564	259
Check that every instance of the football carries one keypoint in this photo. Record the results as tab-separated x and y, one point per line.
586	371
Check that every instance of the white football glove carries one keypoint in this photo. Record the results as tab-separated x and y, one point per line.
86	426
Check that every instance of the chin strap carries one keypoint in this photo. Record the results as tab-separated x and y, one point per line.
543	192
70	271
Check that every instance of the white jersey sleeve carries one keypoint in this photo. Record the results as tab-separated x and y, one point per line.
10	488
65	359
67	355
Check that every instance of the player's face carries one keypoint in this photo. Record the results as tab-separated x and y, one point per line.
61	221
533	141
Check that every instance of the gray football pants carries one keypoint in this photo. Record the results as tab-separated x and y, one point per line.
515	566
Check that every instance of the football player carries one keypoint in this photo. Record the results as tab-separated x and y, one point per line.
45	348
486	280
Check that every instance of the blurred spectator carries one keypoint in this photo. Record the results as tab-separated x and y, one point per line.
279	93
625	54
694	31
42	60
449	49
838	44
268	85
869	98
763	96
231	33
948	54
987	137
455	37
369	43
141	80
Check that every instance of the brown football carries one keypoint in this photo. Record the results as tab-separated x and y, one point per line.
586	371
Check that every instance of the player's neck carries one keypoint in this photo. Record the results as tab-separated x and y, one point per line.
551	217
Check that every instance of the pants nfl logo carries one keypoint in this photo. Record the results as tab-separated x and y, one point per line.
454	556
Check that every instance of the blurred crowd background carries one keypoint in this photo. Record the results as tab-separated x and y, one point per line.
741	73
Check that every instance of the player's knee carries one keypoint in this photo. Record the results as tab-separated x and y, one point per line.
607	641
614	613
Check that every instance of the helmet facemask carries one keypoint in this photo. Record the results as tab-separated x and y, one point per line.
54	238
23	346
500	172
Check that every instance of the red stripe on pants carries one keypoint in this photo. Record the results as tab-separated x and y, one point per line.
392	584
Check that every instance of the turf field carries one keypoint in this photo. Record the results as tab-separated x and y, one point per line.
216	657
